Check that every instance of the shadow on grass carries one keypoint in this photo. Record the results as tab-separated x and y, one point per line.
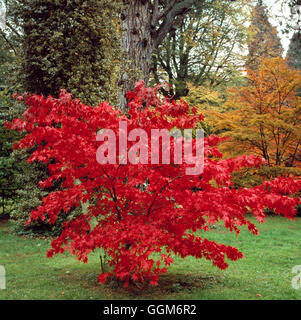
169	284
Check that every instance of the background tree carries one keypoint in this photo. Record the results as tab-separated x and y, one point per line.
264	41
144	25
206	100
205	49
292	22
75	43
294	54
6	59
67	44
8	110
8	167
294	51
266	115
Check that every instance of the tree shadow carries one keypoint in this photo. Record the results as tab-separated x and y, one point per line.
169	284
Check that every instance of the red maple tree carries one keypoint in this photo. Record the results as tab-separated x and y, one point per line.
135	210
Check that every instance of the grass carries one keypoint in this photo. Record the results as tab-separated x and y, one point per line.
264	272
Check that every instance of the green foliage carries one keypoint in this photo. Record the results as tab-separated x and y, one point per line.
9	167
21	177
55	44
68	44
6	59
29	196
205	48
8	110
207	101
204	98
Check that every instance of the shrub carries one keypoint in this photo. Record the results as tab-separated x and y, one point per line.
134	210
28	196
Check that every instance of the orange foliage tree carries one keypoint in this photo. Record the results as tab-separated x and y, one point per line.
264	116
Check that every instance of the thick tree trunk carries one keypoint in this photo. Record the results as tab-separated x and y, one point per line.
144	25
137	44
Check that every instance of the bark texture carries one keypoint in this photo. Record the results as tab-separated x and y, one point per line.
144	25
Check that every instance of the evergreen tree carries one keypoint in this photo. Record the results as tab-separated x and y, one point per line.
294	55
294	51
7	165
59	44
294	22
264	42
68	44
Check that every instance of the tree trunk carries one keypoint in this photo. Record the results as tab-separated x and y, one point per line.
137	44
144	25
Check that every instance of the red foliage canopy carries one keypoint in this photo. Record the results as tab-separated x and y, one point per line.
139	214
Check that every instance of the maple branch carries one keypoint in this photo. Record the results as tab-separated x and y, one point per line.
160	191
113	194
102	265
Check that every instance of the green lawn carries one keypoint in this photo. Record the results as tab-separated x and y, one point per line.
264	272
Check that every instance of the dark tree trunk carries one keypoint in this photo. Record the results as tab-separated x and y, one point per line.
137	42
144	25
